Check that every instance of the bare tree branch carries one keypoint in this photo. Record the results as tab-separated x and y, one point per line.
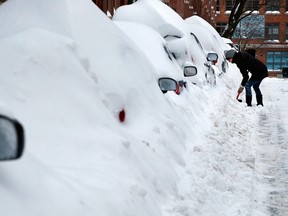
239	12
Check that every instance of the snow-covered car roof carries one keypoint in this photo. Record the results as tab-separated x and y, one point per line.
155	48
153	13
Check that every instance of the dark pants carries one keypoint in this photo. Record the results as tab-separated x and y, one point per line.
255	84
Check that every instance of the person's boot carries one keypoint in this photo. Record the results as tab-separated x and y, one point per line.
249	100
259	100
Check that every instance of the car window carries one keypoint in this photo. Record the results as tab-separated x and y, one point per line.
168	52
198	42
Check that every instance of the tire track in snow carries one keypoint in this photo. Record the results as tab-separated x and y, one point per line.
270	188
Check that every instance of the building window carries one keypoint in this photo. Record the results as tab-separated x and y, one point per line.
220	27
250	27
276	60
230	4
218	5
252	5
272	31
273	5
286	31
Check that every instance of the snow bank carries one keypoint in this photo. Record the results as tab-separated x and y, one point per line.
66	72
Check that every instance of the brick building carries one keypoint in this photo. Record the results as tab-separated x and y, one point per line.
108	6
186	8
271	38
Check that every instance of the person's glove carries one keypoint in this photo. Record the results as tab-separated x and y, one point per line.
240	89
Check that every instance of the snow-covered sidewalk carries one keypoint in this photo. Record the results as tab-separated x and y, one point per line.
270	188
242	169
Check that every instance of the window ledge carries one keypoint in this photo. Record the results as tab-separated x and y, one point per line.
272	12
272	41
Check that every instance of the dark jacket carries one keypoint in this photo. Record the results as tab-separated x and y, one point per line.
247	63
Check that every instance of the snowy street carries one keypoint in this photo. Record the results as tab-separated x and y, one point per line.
270	187
244	162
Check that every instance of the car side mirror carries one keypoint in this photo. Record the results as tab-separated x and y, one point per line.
212	56
11	138
190	71
167	84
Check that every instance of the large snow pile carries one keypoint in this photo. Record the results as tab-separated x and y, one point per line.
66	73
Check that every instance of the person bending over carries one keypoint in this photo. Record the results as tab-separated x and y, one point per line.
247	63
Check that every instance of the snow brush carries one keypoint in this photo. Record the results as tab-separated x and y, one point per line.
239	100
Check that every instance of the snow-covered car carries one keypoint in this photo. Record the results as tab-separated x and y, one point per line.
75	73
179	46
11	138
209	38
209	63
157	51
174	30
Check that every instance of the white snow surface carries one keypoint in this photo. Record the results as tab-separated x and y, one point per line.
171	26
67	71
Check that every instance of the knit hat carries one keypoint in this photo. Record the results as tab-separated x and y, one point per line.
230	53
